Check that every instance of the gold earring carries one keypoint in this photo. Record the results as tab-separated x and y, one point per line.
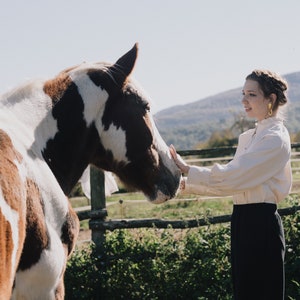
270	109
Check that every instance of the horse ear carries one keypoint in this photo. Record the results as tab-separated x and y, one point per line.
124	65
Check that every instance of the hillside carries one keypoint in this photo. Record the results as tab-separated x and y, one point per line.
187	125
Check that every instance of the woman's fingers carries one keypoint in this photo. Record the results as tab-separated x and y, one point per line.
173	152
181	164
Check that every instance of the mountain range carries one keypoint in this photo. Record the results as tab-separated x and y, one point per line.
187	125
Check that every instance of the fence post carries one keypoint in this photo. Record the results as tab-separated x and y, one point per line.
98	205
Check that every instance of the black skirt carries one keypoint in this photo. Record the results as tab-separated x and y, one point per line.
257	252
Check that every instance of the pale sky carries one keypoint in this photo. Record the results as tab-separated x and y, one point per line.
188	50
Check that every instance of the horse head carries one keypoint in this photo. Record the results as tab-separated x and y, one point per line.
103	118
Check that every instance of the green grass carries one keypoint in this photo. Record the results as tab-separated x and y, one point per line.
173	209
135	206
79	202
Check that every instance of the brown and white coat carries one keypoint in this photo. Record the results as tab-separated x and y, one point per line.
49	132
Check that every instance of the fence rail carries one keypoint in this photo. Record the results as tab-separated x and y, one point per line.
175	224
98	213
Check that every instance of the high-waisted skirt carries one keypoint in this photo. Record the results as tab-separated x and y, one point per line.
257	250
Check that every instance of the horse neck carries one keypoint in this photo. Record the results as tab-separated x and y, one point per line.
27	114
72	148
68	154
70	151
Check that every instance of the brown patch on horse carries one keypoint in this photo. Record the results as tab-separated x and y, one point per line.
6	246
70	229
13	192
56	87
37	238
9	172
69	234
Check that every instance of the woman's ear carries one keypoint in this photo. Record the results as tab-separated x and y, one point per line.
273	98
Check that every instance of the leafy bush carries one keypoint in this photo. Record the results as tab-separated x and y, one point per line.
292	256
168	264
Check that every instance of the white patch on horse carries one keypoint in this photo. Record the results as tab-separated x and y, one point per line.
114	139
45	274
93	96
16	116
12	216
55	201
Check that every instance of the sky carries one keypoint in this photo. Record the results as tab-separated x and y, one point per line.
188	50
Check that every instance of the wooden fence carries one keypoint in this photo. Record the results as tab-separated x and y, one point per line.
98	213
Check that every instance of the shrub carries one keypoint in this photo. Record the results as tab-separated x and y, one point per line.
168	264
154	264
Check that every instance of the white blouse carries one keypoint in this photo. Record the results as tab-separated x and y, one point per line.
259	172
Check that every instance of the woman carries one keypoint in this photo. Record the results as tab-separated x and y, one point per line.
258	177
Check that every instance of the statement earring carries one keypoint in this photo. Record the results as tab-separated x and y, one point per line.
270	109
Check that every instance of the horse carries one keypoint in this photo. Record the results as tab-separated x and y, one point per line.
51	130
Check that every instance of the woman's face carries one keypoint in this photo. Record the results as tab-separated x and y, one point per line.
255	104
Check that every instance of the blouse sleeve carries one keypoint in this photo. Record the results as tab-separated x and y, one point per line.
245	171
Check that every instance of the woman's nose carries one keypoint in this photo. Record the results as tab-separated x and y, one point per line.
244	99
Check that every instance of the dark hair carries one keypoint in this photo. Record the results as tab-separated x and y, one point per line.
271	83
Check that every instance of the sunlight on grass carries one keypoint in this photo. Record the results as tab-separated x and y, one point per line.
173	209
135	205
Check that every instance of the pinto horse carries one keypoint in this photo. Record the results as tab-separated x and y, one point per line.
50	132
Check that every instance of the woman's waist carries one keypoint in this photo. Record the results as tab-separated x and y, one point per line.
256	196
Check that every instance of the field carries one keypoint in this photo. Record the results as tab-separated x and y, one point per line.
135	205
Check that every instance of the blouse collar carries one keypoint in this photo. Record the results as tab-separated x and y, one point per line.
268	121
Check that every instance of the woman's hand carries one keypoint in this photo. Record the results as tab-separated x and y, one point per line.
181	164
182	185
